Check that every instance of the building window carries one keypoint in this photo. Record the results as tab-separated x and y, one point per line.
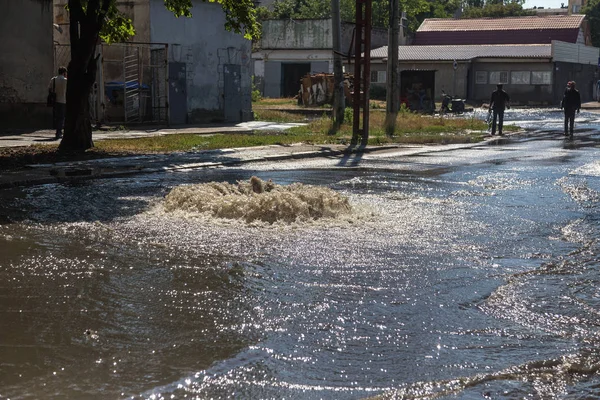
541	77
520	77
497	77
378	76
481	77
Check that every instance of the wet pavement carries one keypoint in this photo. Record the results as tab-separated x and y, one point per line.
24	137
461	272
114	167
124	166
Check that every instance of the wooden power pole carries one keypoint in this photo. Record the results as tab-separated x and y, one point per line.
393	76
362	71
339	101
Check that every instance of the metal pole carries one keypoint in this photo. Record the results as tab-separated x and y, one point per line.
339	103
358	36
454	66
125	82
100	80
362	70
367	75
393	84
167	105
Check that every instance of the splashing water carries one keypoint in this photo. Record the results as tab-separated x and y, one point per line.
257	200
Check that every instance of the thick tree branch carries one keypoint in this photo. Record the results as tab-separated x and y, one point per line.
76	14
75	9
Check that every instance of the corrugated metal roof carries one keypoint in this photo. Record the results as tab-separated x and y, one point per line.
466	52
497	24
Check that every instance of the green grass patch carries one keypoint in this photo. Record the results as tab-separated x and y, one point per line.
278	116
192	142
410	128
269	102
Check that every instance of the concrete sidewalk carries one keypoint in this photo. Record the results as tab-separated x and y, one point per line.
37	174
592	106
15	138
165	163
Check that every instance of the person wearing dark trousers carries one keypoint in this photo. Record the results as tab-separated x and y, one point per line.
571	103
498	103
58	86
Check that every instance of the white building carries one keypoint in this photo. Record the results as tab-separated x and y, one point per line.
207	67
290	49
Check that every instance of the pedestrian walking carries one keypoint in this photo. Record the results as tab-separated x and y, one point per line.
57	90
570	103
498	103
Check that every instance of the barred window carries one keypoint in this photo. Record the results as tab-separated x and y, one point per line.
378	76
497	77
481	77
520	77
541	77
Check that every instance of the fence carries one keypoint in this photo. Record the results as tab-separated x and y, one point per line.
131	83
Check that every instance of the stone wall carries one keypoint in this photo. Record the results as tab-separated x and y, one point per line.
26	66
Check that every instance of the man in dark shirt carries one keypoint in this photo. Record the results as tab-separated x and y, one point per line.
571	103
498	103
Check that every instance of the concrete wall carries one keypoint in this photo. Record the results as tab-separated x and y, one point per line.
296	34
203	44
303	42
452	82
583	75
314	34
524	94
462	82
267	67
27	62
379	38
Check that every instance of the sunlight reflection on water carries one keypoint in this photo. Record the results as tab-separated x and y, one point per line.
461	276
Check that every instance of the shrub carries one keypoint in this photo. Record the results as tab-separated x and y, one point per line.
256	96
377	92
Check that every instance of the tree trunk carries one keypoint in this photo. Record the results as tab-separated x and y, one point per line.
78	125
84	29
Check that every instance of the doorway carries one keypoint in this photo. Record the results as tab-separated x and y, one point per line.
291	73
417	88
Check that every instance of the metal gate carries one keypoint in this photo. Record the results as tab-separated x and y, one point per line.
131	83
232	96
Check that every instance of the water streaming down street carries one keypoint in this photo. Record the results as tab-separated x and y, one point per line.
465	273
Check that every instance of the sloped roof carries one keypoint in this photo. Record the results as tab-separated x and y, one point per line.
534	22
466	52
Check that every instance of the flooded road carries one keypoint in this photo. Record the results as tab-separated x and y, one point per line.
469	273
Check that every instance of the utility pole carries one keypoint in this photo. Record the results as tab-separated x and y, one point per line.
339	101
362	72
393	77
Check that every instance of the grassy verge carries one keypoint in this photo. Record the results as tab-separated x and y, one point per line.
410	128
279	116
191	142
266	102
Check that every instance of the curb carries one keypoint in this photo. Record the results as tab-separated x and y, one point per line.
69	172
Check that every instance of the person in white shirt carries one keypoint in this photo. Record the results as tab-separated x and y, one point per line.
58	85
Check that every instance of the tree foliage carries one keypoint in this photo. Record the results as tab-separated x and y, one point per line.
92	20
416	10
495	9
592	12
